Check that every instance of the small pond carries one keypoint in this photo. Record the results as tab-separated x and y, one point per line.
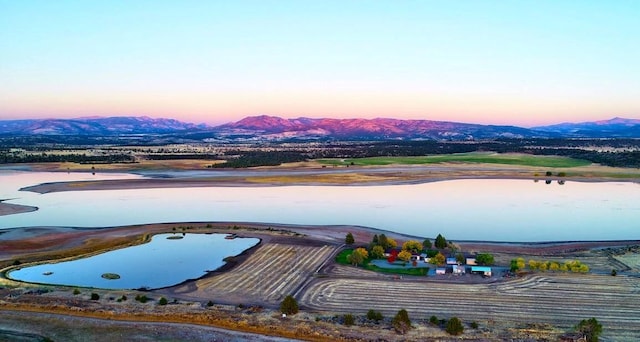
164	261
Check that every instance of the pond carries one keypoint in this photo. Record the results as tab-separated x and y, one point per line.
470	209
162	262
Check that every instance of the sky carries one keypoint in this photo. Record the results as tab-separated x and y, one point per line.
524	63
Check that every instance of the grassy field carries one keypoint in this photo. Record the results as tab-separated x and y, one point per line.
475	157
341	258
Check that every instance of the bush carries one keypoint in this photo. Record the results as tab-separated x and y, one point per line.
454	326
474	325
614	272
162	301
401	322
434	320
590	328
373	315
349	320
289	305
123	298
76	292
142	299
209	303
95	296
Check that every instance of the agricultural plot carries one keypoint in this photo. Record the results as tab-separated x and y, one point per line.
558	299
473	157
267	276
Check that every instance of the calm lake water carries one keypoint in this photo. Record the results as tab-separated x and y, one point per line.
486	209
161	262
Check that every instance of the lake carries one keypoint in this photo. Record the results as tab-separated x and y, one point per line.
473	209
161	262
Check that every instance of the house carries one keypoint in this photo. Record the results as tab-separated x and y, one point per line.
458	269
416	257
484	270
441	270
392	252
424	257
452	261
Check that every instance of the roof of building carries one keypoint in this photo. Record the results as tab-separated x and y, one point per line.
480	269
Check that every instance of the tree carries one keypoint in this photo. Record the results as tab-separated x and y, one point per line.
404	256
391	243
454	326
460	258
412	246
373	315
349	320
590	328
374	241
485	259
614	272
363	252
349	240
289	305
355	258
382	241
441	242
95	296
401	322
439	259
426	244
162	301
377	252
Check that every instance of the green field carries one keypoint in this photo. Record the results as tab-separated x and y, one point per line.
475	157
341	258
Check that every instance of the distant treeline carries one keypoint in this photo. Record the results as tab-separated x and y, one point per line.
6	158
560	147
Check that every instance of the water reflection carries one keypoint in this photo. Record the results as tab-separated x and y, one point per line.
486	209
162	262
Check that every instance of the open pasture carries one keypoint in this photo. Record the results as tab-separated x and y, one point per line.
486	158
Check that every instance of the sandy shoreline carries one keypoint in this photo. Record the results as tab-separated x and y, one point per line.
10	209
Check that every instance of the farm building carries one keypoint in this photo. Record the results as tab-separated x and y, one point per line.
484	270
471	260
452	261
441	270
458	269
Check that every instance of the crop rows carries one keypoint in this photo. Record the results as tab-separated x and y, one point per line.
270	273
562	300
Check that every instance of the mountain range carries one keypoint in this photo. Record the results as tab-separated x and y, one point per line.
273	128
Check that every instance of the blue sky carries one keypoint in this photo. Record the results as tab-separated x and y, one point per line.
506	62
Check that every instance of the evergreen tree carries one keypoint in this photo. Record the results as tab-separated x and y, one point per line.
289	305
441	242
349	240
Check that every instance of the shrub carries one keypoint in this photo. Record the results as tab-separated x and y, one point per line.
162	301
289	305
454	326
590	328
209	303
123	298
142	299
474	325
614	272
76	292
95	296
434	320
349	320
374	315
401	322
